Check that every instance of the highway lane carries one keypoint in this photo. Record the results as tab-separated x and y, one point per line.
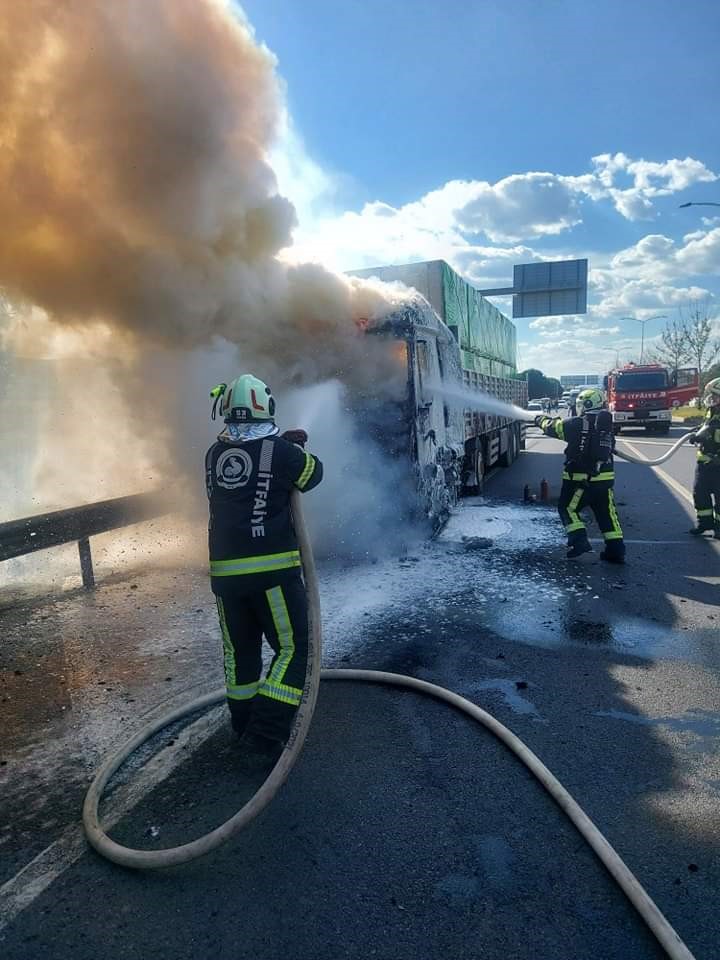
413	834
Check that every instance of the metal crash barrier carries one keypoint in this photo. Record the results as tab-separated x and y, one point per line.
18	537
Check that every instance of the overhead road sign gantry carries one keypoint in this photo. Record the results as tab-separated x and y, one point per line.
546	289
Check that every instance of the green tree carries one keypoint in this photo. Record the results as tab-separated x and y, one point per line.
536	383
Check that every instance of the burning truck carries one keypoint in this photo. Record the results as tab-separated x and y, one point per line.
455	358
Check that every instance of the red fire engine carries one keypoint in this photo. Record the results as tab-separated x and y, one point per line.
643	395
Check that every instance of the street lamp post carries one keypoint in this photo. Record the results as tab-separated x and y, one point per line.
660	316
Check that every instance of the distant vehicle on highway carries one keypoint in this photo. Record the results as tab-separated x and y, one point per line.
643	395
535	405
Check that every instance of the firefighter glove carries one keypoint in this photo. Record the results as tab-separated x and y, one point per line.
295	436
692	438
539	419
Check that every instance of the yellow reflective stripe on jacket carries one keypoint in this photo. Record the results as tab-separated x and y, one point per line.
607	475
553	427
263	564
307	472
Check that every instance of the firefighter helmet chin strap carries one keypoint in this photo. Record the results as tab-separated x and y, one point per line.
216	394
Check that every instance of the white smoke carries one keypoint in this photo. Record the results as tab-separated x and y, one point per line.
139	256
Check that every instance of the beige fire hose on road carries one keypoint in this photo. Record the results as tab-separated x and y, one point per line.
670	452
150	859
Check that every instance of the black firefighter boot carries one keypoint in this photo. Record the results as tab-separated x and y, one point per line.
578	544
614	551
704	525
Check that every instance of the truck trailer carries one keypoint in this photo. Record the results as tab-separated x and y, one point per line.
453	341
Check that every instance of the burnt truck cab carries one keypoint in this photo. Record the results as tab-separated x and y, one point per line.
417	420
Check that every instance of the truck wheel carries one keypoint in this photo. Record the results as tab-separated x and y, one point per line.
473	490
508	458
663	429
480	469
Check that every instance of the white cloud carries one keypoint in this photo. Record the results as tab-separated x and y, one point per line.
650	179
483	228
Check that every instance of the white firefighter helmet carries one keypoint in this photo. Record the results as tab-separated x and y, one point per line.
245	400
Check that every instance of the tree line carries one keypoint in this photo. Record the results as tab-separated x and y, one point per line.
690	339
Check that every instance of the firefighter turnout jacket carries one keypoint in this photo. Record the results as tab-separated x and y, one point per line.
588	477
590	445
708	438
706	489
248	486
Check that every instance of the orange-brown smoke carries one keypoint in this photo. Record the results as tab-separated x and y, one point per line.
136	187
140	221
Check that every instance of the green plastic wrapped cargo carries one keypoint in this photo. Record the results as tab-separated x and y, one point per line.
487	338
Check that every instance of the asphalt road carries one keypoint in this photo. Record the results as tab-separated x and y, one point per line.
404	831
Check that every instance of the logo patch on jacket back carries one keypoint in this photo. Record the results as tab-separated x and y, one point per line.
233	469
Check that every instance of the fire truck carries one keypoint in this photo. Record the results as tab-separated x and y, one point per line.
643	395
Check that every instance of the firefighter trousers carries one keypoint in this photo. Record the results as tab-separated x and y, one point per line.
599	497
249	607
706	490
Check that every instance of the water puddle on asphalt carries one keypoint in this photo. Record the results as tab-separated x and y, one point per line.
549	627
702	725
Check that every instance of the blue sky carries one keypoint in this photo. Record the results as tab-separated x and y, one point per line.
491	133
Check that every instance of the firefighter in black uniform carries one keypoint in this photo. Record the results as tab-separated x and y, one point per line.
255	563
588	475
707	472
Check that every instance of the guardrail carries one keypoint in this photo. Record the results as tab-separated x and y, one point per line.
19	537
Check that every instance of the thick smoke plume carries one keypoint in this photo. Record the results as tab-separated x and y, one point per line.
136	187
141	224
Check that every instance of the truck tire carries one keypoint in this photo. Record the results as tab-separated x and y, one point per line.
508	458
478	468
663	429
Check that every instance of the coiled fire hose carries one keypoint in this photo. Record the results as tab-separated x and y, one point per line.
151	859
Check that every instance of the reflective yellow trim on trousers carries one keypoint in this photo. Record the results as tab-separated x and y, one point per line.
273	687
705	513
307	472
244	691
575	521
281	692
263	564
580	477
229	664
616	532
283	626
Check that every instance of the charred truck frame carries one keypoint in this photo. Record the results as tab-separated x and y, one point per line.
454	340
